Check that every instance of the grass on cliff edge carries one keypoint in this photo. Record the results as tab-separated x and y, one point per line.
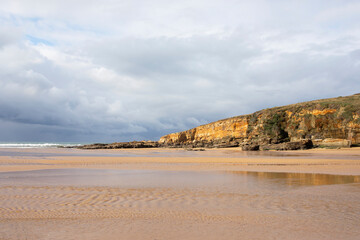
345	106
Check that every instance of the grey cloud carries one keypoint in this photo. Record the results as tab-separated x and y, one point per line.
135	81
228	66
8	36
208	79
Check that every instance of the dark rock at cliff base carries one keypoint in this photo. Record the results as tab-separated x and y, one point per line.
303	144
222	143
94	146
134	144
250	147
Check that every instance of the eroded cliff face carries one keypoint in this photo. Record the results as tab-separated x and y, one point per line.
233	128
331	122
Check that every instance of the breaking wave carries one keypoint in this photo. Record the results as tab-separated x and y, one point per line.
37	145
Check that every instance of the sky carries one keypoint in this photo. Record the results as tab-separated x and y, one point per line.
110	70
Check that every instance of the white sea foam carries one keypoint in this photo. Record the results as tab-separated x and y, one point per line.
37	145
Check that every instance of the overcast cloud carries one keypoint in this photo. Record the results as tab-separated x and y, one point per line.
111	70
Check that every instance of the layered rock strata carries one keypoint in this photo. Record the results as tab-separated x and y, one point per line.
333	122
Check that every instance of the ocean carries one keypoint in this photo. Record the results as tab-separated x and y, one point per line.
37	144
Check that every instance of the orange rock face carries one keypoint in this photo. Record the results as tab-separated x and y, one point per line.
228	128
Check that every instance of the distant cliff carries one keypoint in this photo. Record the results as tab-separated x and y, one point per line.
333	122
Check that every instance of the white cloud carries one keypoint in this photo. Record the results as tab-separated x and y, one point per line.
138	69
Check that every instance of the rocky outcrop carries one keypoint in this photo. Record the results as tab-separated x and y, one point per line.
303	144
134	144
328	122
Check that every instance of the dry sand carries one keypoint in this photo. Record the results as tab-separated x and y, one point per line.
178	194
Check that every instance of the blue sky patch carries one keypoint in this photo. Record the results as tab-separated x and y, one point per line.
37	41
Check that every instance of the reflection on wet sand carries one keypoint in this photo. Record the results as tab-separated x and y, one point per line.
301	179
162	178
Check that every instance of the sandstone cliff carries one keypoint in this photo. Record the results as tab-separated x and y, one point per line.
326	122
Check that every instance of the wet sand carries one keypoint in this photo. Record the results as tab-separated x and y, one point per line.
328	161
178	194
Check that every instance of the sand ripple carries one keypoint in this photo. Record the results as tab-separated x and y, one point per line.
29	202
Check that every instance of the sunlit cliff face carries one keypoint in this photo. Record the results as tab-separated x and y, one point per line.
234	128
288	123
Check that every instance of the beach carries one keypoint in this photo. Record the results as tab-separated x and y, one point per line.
65	193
